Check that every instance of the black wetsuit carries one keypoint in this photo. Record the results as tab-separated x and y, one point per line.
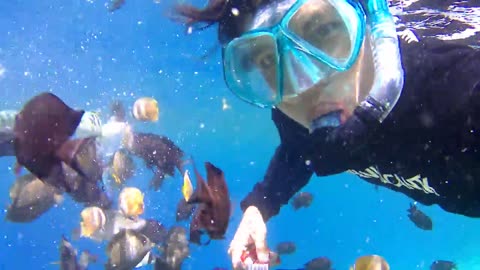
427	148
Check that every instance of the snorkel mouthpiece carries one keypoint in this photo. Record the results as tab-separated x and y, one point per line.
388	80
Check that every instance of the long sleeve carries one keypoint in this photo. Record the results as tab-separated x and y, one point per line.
287	172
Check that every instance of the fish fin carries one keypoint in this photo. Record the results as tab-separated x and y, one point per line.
216	180
201	194
116	178
187	188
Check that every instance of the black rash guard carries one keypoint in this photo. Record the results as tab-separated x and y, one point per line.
427	148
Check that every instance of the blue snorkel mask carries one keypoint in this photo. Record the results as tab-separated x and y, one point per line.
313	40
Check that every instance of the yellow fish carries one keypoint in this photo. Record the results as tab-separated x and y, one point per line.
187	188
146	109
131	202
370	262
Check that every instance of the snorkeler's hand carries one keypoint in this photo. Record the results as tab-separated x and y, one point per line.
251	234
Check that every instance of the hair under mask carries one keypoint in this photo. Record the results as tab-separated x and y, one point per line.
231	16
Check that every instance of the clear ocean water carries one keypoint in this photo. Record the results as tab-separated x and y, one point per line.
88	57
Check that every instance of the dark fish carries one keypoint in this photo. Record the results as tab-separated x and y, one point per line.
86	192
443	265
214	206
42	130
302	199
320	263
184	210
6	144
127	249
117	109
155	231
286	248
31	197
159	154
175	250
68	257
420	219
116	4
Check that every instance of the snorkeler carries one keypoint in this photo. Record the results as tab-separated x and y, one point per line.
347	95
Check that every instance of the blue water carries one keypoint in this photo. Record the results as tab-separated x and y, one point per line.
87	56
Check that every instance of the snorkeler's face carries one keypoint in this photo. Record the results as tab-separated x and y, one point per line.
340	92
308	58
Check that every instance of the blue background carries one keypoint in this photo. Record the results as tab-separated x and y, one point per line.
88	56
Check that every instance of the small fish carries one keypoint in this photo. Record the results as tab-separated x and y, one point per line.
187	188
158	152
176	248
93	219
370	262
302	199
443	265
115	4
214	206
31	198
146	109
184	210
286	248
320	263
420	219
131	202
127	249
122	167
155	231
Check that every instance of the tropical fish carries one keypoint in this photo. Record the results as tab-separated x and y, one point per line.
42	131
370	262
302	199
174	251
122	167
130	202
420	219
213	211
159	153
127	249
93	219
31	197
146	109
443	265
286	248
115	4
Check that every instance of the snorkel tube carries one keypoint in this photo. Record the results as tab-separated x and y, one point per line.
388	80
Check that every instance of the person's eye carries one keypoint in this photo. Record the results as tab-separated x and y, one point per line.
266	60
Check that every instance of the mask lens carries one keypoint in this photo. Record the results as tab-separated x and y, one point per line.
328	27
251	68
